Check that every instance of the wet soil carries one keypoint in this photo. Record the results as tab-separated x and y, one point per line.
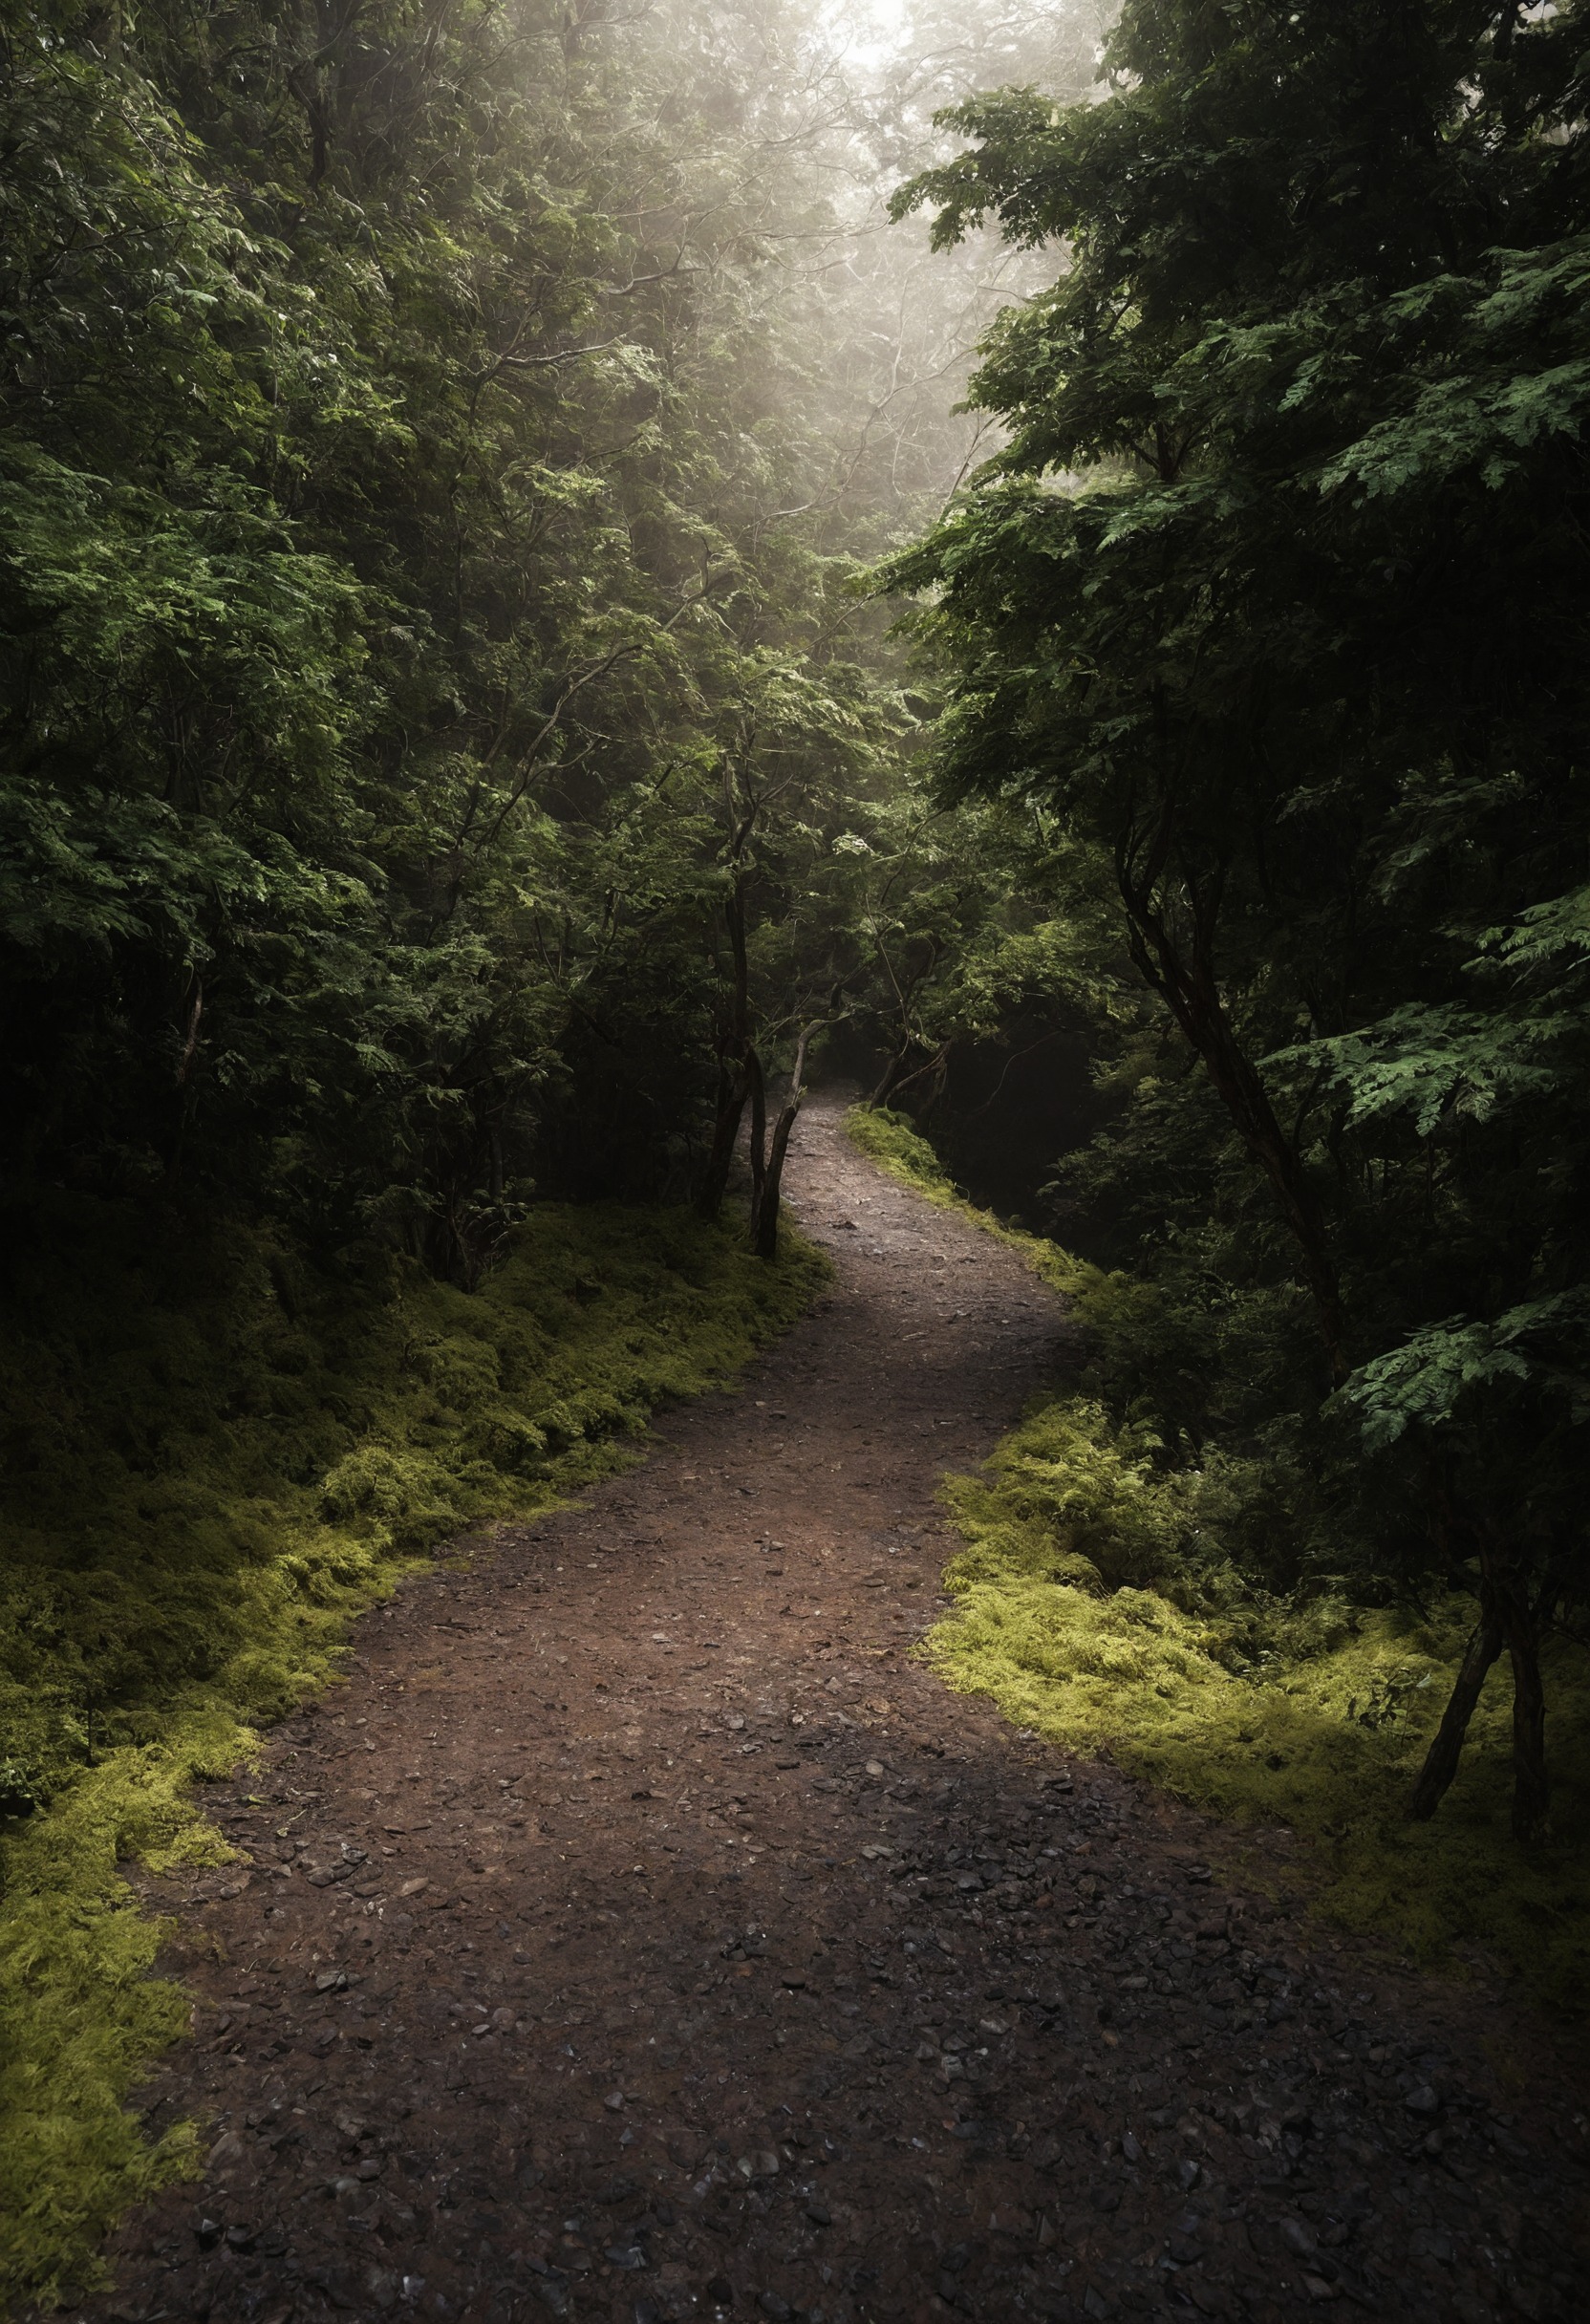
643	1934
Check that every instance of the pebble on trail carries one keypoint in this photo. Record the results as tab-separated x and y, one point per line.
658	1939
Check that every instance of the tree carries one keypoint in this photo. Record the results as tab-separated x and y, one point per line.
1277	595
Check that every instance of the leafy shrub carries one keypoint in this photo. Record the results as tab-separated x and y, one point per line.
1085	1500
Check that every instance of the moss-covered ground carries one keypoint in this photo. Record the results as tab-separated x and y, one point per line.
216	1454
1073	1613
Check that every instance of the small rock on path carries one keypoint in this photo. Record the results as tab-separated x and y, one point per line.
643	1934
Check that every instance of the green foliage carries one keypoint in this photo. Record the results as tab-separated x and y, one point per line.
1273	601
217	1454
955	932
1434	1377
1072	1497
388	584
1085	1498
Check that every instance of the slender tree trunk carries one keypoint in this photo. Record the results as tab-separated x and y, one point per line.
938	1083
766	1231
190	1041
933	1069
1522	1626
1531	1791
1509	1617
891	1075
1445	1748
759	1135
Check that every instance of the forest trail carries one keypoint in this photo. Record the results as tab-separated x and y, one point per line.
642	1933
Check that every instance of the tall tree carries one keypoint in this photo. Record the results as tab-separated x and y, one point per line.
1277	594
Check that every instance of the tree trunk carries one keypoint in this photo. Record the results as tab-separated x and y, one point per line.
1531	1782
1531	1791
765	1233
191	1043
759	1135
1445	1748
891	1075
1190	990
938	1082
935	1069
725	1132
734	1049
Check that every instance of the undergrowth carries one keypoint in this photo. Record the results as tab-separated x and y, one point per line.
888	1139
1112	1599
215	1455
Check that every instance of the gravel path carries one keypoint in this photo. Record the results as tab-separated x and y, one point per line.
643	1934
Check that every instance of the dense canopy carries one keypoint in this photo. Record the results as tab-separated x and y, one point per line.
1277	595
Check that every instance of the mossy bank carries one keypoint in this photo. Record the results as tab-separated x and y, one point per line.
1104	1599
216	1454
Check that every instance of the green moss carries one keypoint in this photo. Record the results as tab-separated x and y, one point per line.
215	1455
888	1139
1107	1598
1096	1603
1325	1743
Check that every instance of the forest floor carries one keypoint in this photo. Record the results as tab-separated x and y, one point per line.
643	1933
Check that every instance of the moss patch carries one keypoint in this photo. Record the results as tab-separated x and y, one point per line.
890	1140
1099	1601
215	1455
1315	1718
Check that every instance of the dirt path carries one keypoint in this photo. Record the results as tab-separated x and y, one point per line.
643	1935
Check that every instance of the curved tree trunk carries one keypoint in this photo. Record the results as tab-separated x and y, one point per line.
891	1075
1445	1748
764	1230
734	1049
934	1069
1513	1617
1186	981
